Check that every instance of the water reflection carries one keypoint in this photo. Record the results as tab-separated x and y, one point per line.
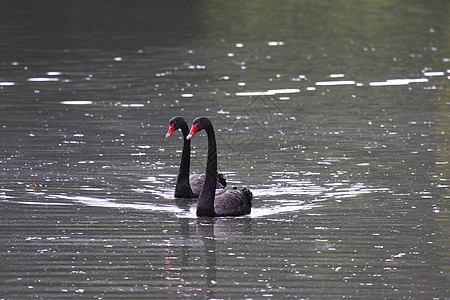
206	230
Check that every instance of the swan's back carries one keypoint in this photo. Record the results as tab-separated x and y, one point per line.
197	181
233	202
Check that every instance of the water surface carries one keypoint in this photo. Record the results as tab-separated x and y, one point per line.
335	115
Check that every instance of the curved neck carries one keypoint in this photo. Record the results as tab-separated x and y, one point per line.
186	154
183	184
205	205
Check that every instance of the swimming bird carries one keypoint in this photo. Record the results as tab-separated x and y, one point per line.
213	202
188	186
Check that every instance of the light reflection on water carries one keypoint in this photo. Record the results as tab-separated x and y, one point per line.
271	201
76	102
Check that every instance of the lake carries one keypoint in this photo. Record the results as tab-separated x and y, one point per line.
334	113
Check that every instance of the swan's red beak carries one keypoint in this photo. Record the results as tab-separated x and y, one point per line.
193	131
171	130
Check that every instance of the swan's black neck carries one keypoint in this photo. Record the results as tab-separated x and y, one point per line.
205	205
183	187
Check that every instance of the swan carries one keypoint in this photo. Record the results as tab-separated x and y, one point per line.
188	186
214	202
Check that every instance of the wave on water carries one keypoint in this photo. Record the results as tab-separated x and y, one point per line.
273	200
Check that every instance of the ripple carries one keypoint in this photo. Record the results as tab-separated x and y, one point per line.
42	203
254	94
287	195
268	92
4	196
284	91
278	209
289	190
112	203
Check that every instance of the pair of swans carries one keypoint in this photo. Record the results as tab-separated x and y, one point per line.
213	199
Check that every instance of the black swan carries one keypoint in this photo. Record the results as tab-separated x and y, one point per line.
220	202
188	186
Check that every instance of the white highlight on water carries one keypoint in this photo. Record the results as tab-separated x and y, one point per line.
76	102
336	82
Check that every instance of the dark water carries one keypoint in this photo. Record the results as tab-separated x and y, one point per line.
335	114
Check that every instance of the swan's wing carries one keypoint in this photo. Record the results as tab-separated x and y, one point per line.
220	192
232	202
197	181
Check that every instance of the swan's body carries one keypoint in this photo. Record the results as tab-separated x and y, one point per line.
197	181
214	202
232	202
188	186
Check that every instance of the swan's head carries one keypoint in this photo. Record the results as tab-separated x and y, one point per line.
174	124
199	124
